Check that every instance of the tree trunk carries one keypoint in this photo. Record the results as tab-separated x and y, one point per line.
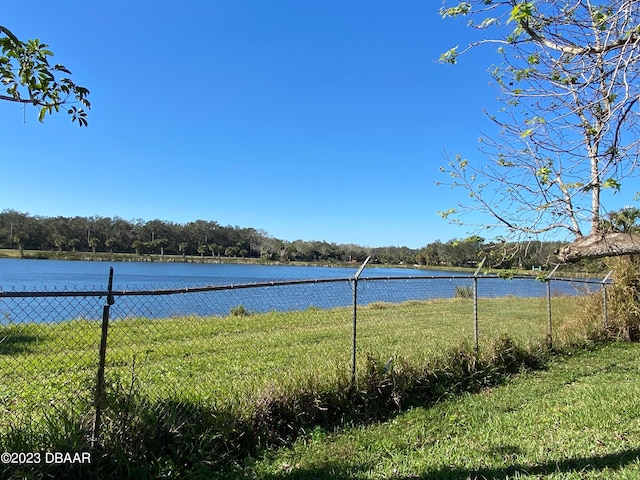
597	245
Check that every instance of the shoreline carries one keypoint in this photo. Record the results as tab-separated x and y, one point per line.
172	258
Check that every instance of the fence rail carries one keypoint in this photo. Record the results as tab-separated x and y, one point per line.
66	350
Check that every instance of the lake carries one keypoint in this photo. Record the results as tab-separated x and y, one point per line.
23	274
378	284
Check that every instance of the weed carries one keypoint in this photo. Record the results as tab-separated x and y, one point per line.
239	311
586	324
591	323
624	298
463	291
380	305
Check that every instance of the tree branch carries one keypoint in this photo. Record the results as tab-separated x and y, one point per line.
573	49
18	100
8	33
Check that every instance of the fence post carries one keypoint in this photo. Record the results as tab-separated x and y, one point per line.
100	389
355	321
476	332
605	313
549	316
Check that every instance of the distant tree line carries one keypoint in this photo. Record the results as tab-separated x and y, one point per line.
210	239
470	251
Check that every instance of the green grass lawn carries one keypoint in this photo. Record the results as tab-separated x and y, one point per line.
231	360
222	373
580	419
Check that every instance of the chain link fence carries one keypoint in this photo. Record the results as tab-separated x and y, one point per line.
63	352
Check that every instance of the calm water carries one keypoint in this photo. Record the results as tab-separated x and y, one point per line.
81	275
63	276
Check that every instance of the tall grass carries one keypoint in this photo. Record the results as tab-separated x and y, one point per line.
624	298
578	419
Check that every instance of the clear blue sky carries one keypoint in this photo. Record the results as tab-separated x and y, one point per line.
314	120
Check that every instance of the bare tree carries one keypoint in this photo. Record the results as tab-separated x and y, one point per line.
568	132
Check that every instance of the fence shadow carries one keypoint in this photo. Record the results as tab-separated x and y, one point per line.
595	463
13	343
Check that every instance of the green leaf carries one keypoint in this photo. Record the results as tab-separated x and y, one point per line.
461	9
450	56
526	133
503	162
487	22
612	183
543	174
521	12
506	274
445	214
61	68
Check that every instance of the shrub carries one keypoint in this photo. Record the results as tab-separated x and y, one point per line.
239	311
623	299
585	326
463	291
509	357
623	308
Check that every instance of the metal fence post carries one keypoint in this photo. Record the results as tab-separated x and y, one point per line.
549	316
100	389
605	313
476	331
355	320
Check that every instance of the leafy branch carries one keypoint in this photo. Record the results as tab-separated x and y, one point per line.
28	78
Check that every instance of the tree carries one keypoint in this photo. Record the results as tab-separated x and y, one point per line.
109	243
59	242
158	245
93	243
73	242
20	238
429	255
569	131
624	220
28	78
138	246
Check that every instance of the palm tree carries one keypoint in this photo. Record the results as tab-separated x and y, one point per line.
109	243
20	238
625	220
59	242
137	246
93	243
159	244
72	243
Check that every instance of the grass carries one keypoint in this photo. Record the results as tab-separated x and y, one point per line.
199	389
240	356
580	419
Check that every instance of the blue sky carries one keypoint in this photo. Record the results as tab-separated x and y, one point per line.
313	120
